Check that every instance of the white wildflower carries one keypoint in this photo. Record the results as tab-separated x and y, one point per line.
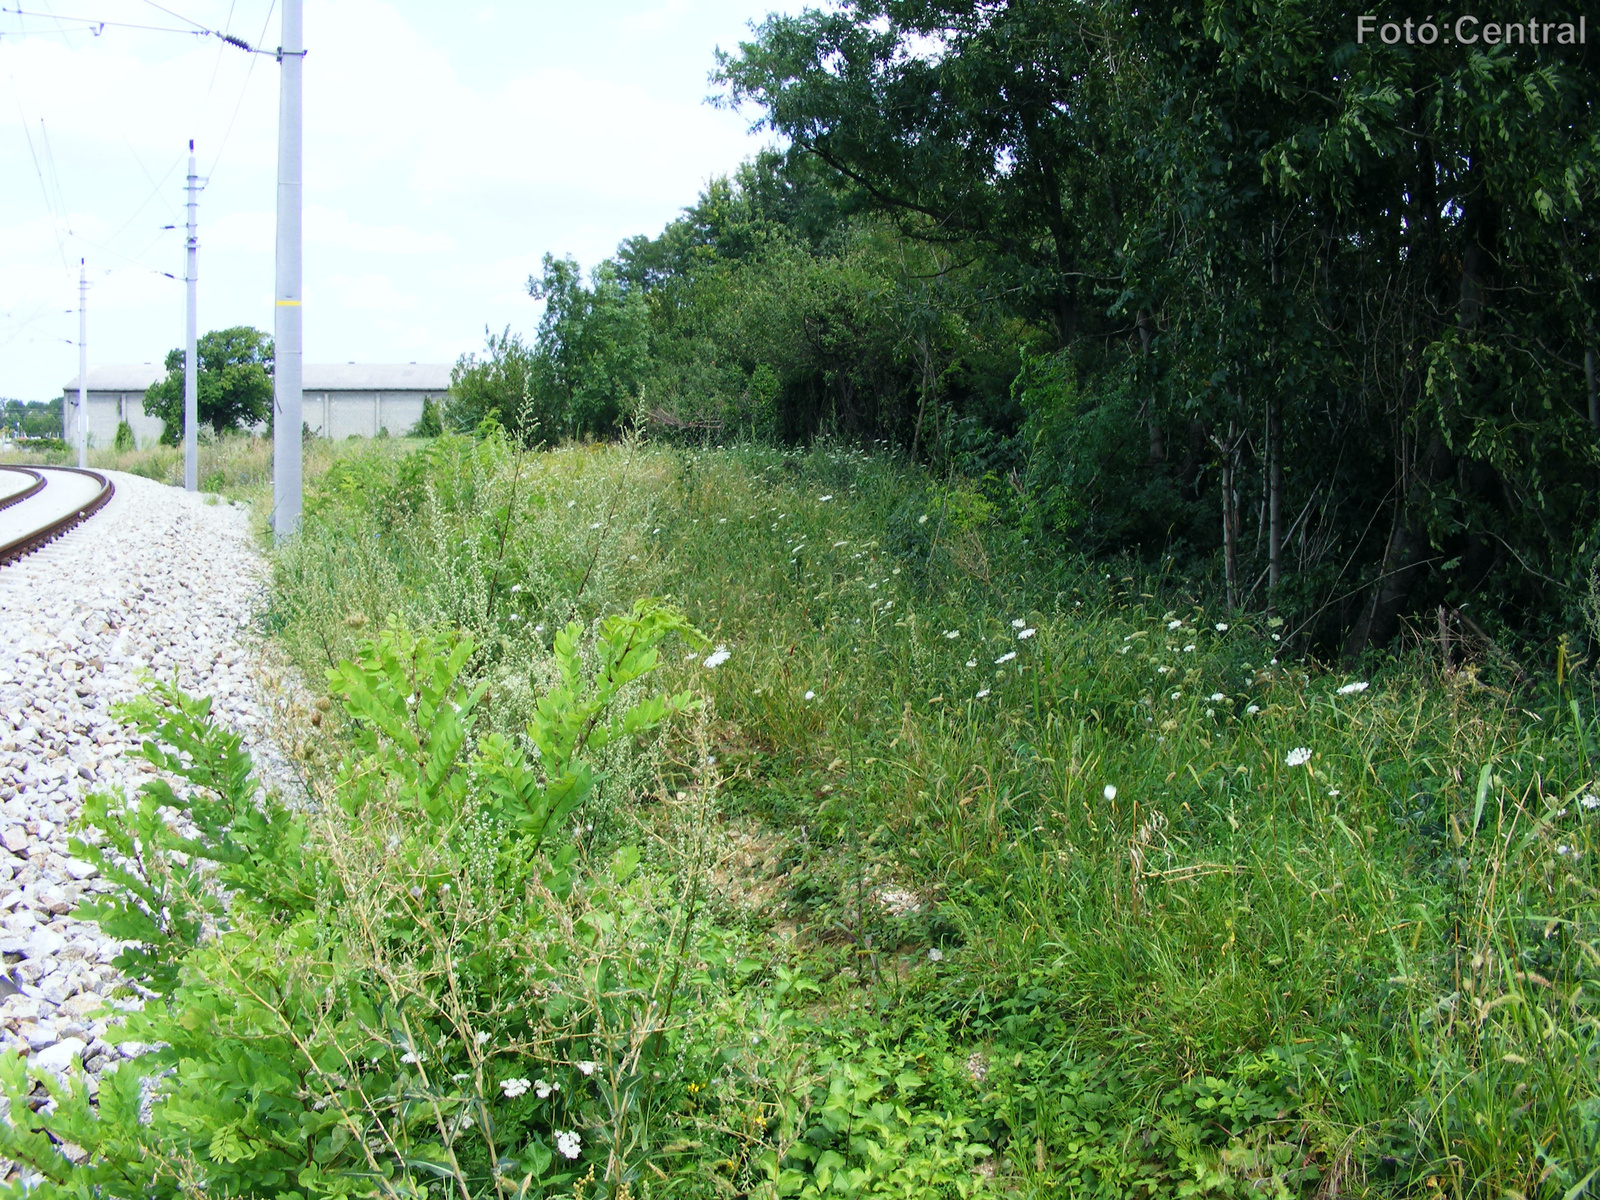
935	954
824	499
1217	696
923	519
594	524
572	504
482	1036
1174	624
411	1056
1299	756
1350	689
514	1087
1109	791
1018	623
717	657
587	1067
1253	708
1189	649
1006	657
1590	801
971	662
1222	627
542	1088
952	634
1177	695
836	545
1026	634
516	616
982	692
568	1143
811	695
515	588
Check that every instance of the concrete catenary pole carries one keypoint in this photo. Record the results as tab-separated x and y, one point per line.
191	381
83	364
286	419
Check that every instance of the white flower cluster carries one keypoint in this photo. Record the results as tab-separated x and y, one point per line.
1350	689
1299	756
514	1087
717	657
568	1142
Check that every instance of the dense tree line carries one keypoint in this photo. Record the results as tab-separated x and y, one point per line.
1213	280
32	418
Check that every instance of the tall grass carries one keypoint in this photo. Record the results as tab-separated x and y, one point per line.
237	466
1049	821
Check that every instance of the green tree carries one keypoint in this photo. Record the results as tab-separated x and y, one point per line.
594	344
234	383
500	385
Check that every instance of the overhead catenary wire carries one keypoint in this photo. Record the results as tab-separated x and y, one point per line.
25	326
244	88
98	25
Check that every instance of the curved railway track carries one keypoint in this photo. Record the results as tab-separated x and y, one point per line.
39	504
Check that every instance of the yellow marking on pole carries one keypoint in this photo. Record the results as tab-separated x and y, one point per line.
291	303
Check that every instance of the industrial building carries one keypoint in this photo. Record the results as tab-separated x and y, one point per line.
340	399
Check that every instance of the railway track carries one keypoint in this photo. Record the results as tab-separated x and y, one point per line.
39	504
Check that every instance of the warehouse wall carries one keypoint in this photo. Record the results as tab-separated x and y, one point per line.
339	415
335	415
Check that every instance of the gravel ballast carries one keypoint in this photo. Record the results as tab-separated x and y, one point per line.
161	583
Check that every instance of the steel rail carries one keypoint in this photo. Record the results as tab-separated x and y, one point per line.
32	490
51	530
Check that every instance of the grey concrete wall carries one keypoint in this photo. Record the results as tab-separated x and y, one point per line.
335	415
339	415
106	410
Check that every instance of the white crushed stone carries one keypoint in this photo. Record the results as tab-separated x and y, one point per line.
159	582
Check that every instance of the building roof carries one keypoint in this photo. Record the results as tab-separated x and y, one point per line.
125	377
375	377
314	377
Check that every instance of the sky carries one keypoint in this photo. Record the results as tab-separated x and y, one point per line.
448	147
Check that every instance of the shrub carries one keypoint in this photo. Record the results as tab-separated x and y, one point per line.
430	424
422	978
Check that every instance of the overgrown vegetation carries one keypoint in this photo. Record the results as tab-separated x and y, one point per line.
1313	317
962	869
